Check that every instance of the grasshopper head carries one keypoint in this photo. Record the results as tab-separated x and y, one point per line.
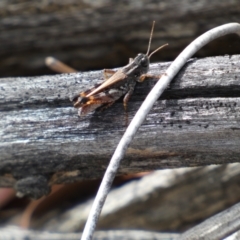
138	66
141	61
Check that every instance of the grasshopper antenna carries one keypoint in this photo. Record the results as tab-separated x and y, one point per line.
157	50
149	44
150	39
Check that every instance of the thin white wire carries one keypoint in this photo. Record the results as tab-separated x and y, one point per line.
140	116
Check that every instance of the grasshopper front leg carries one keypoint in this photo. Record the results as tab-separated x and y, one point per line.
127	97
125	101
144	76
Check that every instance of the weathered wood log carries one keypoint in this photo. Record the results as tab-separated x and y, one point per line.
222	225
170	200
195	123
90	35
14	233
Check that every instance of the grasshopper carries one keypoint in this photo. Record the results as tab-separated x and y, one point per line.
116	84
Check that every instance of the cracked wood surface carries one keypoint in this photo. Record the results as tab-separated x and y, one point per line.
195	123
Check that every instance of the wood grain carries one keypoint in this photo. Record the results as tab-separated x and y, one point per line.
195	123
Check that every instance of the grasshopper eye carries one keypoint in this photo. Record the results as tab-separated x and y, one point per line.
144	62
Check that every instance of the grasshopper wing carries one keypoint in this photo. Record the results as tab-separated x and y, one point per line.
116	77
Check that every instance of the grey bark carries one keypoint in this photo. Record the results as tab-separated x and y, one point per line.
217	227
195	123
171	200
89	35
14	233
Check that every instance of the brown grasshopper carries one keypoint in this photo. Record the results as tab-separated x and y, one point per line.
116	83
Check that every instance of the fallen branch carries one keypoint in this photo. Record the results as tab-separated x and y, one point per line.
195	123
140	116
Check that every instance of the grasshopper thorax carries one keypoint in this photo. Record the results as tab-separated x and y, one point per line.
141	62
138	66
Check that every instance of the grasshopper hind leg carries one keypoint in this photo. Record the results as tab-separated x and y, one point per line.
104	106
125	102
